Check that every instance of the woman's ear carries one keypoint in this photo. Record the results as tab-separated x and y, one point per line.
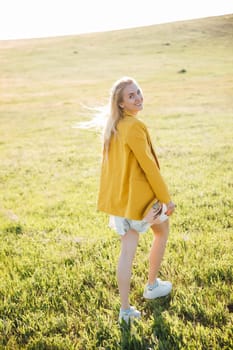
121	105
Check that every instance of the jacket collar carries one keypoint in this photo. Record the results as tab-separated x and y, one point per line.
128	114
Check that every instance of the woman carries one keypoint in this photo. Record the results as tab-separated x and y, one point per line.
133	191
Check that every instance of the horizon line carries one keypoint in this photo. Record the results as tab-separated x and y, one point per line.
23	38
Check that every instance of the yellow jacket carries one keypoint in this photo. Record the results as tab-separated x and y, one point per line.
130	180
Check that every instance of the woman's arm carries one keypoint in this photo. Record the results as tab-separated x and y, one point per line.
138	143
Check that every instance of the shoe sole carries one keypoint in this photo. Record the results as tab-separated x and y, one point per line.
157	296
130	319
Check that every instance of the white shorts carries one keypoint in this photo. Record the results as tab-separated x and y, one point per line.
156	215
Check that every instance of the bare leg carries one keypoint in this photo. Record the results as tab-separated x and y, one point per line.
161	232
129	244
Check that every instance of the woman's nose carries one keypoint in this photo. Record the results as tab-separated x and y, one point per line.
140	98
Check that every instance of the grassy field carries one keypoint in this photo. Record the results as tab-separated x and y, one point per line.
57	256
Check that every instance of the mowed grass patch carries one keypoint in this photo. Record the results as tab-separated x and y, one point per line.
58	257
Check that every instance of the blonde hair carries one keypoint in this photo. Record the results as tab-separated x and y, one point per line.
116	113
107	117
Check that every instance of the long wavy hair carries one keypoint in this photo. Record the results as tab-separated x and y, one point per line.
107	117
116	113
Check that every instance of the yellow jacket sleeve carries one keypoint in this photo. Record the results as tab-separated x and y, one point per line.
139	142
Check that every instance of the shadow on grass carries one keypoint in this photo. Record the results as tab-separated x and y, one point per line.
133	336
164	338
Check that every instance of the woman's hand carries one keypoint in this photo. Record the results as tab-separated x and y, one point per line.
170	208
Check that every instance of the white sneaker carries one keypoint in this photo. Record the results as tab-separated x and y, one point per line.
159	289
129	314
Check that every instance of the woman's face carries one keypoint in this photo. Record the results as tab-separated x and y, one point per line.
132	99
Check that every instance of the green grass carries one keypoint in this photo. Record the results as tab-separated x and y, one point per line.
57	256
